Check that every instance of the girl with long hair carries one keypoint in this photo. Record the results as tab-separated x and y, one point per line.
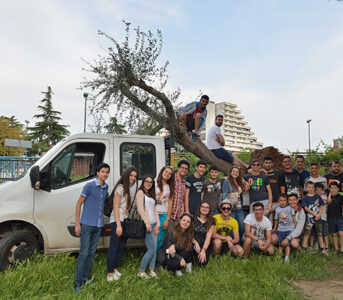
176	250
233	187
203	230
164	197
121	198
146	206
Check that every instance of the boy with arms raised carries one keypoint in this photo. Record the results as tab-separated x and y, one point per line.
284	222
313	205
92	198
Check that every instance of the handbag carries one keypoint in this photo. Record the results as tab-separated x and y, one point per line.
133	226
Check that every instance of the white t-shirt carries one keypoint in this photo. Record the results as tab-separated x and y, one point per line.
149	205
319	179
258	228
162	200
123	201
211	137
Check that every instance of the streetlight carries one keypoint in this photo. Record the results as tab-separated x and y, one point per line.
85	95
309	134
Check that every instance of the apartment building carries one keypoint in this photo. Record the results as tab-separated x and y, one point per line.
235	130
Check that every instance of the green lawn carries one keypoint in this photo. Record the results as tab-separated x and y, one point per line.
224	278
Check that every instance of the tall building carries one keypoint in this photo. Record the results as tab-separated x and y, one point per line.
338	143
236	132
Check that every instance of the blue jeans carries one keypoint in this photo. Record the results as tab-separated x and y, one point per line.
89	241
116	249
149	256
238	215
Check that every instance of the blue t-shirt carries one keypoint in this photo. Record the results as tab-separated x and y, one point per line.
304	174
93	206
284	216
313	203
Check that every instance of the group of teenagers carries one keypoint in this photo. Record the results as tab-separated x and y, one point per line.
188	218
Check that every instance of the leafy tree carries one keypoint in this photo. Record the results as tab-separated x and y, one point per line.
47	131
129	80
114	127
11	128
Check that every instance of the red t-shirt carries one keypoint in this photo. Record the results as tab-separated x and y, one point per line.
197	110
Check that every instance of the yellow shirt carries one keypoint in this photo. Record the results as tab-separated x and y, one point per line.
224	228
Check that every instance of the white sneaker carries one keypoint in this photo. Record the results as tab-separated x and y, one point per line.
143	275
178	273
286	259
189	268
153	275
117	273
113	277
316	246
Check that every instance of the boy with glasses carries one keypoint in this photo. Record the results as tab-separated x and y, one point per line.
225	224
260	190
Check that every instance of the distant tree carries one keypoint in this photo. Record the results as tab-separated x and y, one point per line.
114	127
130	81
11	128
47	131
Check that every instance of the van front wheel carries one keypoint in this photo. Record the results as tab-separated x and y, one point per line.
17	246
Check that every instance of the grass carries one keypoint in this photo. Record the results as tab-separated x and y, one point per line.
225	277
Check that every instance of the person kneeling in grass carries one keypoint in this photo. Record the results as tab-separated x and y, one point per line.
176	250
225	224
258	231
284	223
335	219
92	198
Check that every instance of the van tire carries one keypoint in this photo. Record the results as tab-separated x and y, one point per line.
17	246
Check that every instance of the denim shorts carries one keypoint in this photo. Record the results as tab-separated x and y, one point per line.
335	225
282	235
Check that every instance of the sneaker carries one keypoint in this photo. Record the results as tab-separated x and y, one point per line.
286	259
113	277
117	273
244	260
189	268
78	288
324	251
316	246
153	275
143	275
194	136
178	273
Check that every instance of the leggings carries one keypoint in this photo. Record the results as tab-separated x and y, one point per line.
173	264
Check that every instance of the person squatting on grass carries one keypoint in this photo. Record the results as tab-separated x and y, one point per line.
146	206
313	205
233	187
225	224
284	224
92	198
121	199
164	198
176	250
203	230
335	220
258	231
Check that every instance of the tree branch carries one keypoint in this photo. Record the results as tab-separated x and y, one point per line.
156	129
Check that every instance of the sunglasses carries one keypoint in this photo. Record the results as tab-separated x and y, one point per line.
226	208
255	164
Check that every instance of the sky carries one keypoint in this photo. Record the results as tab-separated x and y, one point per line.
280	61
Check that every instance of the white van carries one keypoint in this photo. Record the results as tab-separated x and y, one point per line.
37	211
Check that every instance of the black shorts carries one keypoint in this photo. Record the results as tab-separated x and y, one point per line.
190	124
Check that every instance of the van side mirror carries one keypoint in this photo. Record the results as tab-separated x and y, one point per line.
34	177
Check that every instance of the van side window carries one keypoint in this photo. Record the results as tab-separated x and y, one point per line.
76	163
140	155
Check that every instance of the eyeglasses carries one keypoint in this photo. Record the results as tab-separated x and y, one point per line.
184	168
148	181
226	208
206	207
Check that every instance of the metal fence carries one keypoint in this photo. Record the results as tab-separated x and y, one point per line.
12	167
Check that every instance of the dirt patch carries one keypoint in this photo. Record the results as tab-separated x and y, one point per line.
321	289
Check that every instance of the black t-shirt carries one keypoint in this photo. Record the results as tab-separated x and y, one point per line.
335	208
274	179
212	192
258	184
292	182
200	231
195	188
330	178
